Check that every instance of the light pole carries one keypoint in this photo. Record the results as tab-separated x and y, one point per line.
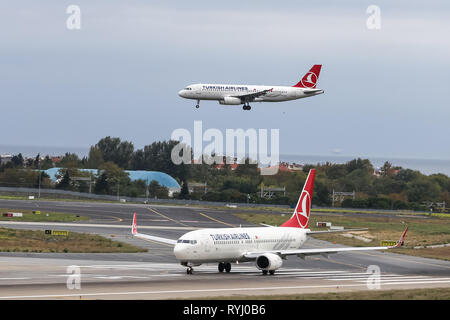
39	192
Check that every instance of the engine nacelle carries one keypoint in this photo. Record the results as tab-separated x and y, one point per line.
268	261
230	100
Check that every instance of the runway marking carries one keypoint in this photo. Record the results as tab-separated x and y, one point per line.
46	224
397	258
17	278
384	278
164	216
120	277
407	260
213	219
334	286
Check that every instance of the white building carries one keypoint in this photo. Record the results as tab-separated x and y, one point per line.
5	158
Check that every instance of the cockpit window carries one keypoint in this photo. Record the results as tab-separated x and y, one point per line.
187	88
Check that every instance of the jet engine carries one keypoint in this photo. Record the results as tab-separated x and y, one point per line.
230	100
268	261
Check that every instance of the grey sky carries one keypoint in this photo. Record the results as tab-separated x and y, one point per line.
386	91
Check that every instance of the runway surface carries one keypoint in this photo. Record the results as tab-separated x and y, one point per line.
157	275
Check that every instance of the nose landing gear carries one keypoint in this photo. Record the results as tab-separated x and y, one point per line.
198	104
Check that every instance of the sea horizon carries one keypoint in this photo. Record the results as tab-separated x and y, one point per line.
425	166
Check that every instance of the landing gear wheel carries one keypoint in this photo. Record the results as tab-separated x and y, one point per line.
189	270
264	272
197	106
271	272
227	267
221	266
246	107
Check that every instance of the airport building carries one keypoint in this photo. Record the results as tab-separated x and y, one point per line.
148	176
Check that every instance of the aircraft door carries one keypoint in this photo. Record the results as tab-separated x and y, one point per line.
207	244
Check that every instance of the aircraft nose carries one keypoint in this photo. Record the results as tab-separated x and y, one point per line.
179	250
181	93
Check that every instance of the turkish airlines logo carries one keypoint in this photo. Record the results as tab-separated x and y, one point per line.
303	208
309	80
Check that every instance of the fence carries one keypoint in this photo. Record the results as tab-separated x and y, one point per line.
82	195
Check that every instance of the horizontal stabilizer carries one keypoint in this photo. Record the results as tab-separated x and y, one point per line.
148	237
317	91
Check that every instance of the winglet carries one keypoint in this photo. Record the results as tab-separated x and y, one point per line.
402	239
134	225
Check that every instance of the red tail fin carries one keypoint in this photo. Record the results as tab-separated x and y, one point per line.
134	225
300	218
310	79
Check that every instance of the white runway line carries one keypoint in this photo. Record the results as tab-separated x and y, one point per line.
415	279
84	225
415	282
382	278
224	290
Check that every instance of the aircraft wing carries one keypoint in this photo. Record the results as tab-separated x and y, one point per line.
302	253
253	95
149	237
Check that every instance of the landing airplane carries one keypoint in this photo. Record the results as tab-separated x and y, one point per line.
267	246
236	94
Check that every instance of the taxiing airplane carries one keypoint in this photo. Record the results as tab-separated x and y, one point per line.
266	246
237	94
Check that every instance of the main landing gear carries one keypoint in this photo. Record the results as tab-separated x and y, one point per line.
224	266
246	106
271	272
189	270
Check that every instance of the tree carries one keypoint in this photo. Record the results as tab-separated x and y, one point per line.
363	164
158	157
70	160
12	177
407	175
18	160
336	171
64	183
184	193
387	170
95	158
155	190
116	151
137	161
47	163
112	179
420	190
101	185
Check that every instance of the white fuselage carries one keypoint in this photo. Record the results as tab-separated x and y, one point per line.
223	92
230	244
